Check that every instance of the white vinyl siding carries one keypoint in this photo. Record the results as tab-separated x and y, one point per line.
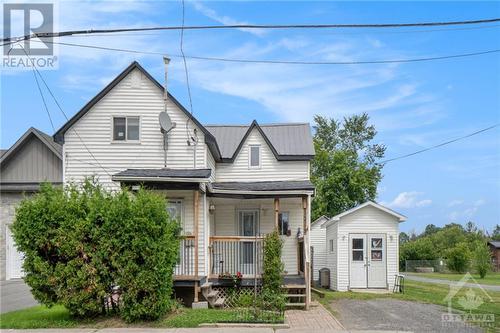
211	164
95	130
367	220
318	242
270	168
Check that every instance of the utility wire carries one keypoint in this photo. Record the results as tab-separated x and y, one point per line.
181	46
64	113
251	26
441	144
284	62
43	99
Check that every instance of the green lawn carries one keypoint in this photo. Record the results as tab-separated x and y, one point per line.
425	293
490	278
58	317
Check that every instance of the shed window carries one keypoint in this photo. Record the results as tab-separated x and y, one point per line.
254	160
126	128
330	242
283	222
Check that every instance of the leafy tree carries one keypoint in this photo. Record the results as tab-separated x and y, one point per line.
86	247
430	229
344	171
482	259
496	233
458	258
403	238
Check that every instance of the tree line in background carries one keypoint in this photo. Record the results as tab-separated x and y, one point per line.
462	248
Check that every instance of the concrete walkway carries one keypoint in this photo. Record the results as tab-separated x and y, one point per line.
448	282
15	295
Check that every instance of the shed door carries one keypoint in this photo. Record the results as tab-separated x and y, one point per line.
377	268
14	258
357	260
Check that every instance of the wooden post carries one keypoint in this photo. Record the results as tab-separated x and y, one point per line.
276	212
196	197
307	269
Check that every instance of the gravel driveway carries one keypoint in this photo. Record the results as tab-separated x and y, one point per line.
390	314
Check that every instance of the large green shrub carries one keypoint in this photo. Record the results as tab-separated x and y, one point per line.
272	275
482	259
458	258
94	251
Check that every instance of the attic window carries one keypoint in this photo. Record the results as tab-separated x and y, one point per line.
254	156
125	128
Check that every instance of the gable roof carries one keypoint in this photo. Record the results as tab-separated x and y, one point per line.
322	219
288	142
32	132
209	138
495	244
400	217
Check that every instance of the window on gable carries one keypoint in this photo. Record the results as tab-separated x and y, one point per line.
254	157
331	245
126	128
283	222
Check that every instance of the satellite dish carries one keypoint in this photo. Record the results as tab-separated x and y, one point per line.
166	124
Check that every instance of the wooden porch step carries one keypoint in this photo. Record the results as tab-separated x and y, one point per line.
219	302
295	295
295	305
293	286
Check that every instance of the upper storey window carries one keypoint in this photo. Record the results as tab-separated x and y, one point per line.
254	156
126	128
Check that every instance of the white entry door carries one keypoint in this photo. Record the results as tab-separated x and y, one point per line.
367	261
14	258
357	259
248	225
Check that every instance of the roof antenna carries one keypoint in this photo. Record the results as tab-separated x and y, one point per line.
166	124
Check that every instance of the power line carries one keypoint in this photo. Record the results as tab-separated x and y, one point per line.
286	62
441	144
252	26
62	111
181	46
43	100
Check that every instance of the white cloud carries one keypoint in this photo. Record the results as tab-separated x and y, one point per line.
467	213
454	203
408	200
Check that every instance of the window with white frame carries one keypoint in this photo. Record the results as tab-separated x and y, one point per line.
174	209
254	156
330	242
126	128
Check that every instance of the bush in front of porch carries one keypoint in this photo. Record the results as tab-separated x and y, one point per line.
98	252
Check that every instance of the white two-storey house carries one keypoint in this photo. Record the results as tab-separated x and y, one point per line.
227	184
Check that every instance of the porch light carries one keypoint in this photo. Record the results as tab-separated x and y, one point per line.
299	233
211	208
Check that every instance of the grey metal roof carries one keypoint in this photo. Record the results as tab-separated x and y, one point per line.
2	151
495	243
165	173
291	140
264	186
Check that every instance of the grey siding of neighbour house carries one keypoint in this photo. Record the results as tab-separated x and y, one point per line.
32	163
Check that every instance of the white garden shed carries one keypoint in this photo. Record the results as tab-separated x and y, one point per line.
362	247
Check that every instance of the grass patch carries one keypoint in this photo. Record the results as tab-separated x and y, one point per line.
59	317
424	293
492	278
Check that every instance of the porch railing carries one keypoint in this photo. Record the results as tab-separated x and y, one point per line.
185	263
233	254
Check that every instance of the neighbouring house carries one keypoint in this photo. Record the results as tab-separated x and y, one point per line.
495	255
318	246
362	247
33	159
228	185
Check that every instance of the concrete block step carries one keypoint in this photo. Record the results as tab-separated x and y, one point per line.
219	302
295	305
213	294
206	285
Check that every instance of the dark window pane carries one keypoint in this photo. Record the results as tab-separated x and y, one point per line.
254	156
357	255
376	243
119	128
376	255
133	128
283	223
357	243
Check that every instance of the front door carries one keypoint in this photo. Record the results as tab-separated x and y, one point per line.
367	261
248	225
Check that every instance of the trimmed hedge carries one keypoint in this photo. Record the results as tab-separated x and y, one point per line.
96	251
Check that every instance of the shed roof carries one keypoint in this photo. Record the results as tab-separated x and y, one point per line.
495	244
389	211
164	173
264	186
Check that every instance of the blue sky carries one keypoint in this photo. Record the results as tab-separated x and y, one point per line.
413	106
